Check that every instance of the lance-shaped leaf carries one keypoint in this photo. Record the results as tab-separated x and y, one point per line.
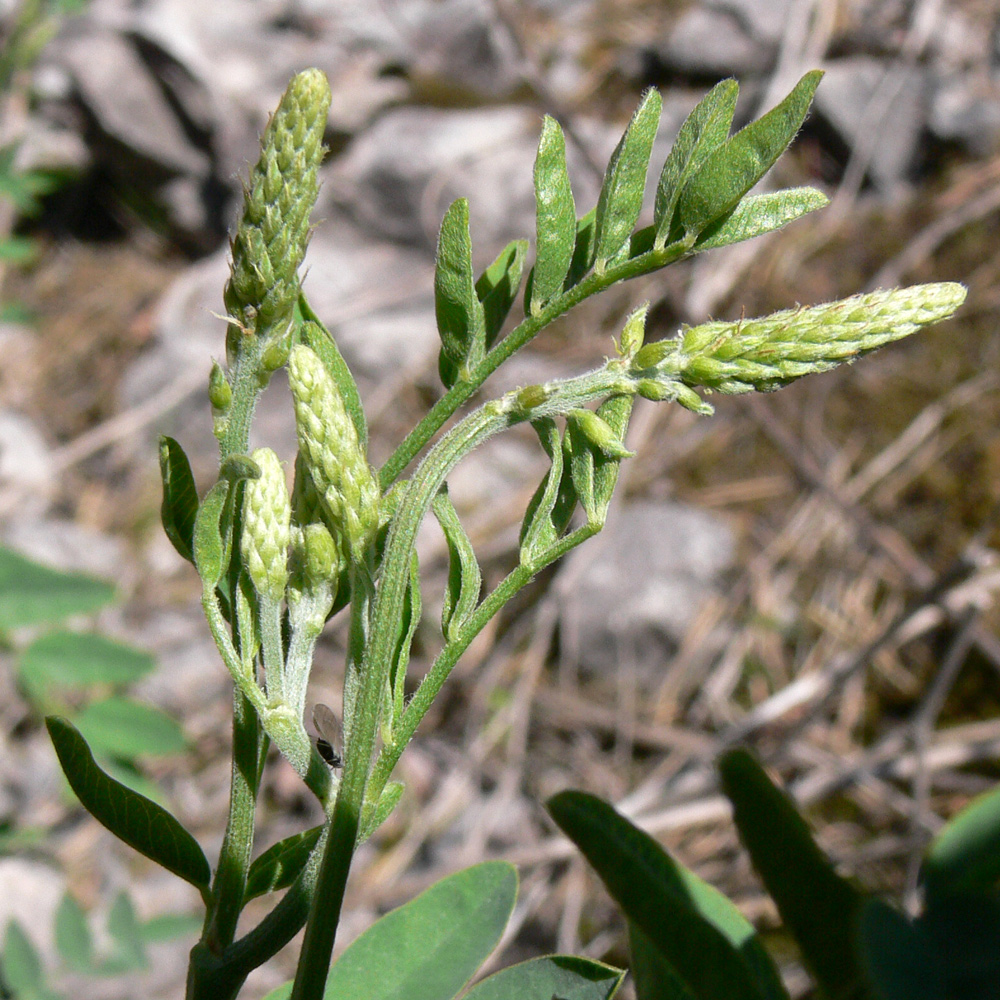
736	166
131	817
965	855
376	813
461	320
539	530
759	214
620	201
567	977
180	497
711	947
703	131
583	249
498	285
465	579
209	549
430	947
555	215
407	628
315	335
279	866
818	906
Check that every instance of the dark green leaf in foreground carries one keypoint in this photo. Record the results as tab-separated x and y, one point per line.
620	201
965	855
703	131
122	727
430	947
73	938
32	593
759	214
742	160
131	817
654	977
566	977
279	866
818	907
555	215
902	962
179	506
498	285
317	337
712	948
80	659
461	320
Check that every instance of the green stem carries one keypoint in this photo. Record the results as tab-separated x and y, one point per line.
523	333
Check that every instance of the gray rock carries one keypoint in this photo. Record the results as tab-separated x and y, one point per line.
25	462
878	110
627	598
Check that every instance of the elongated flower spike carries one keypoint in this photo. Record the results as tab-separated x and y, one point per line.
271	238
767	353
266	526
328	440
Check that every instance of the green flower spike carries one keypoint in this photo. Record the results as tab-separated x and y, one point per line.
266	525
336	461
767	353
271	238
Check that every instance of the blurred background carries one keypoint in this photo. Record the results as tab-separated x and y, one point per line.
810	573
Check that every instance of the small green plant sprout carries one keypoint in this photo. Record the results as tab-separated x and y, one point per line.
688	942
82	675
275	563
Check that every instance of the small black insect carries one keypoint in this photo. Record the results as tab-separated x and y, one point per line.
328	726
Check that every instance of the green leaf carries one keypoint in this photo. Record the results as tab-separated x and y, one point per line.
965	855
179	507
565	977
80	659
208	548
539	530
170	926
22	966
32	593
279	866
498	285
131	817
736	166
555	217
713	949
902	962
430	947
316	336
616	413
703	131
125	932
127	773
464	577
964	930
122	727
461	319
73	938
759	214
655	978
580	453
407	629
818	907
620	201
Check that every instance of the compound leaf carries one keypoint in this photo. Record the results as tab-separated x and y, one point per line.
131	817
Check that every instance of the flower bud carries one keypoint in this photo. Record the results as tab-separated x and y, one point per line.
599	433
633	333
266	524
220	392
